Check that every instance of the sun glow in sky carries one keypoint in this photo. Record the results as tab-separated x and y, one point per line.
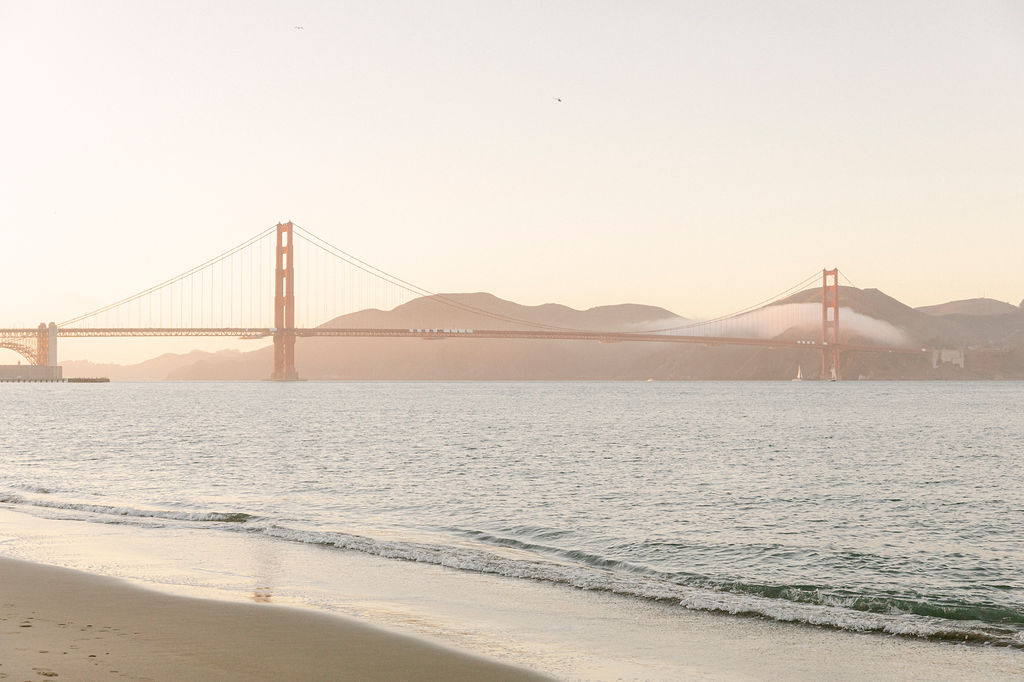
693	155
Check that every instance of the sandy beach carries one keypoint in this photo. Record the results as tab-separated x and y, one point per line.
61	624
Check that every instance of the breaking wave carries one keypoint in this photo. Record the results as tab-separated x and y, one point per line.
111	510
972	623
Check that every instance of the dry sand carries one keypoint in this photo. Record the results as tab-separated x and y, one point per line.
61	624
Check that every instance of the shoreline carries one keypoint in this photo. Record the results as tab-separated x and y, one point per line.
57	622
561	631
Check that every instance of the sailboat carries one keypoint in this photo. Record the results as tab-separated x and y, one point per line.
799	374
834	377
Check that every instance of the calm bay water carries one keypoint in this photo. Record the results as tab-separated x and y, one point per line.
890	507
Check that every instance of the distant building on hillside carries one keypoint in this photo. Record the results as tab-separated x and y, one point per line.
947	356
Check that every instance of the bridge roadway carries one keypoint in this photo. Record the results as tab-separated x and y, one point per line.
436	334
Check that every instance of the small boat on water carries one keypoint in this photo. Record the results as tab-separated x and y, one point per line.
799	374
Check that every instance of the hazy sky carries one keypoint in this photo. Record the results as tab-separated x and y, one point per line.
704	154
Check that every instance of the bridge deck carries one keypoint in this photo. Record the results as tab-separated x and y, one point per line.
598	336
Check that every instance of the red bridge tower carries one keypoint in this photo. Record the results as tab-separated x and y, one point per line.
830	324
284	306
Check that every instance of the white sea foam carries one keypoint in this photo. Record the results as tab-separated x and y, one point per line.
119	511
587	578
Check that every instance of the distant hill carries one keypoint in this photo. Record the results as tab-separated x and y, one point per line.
486	311
507	359
157	368
457	359
970	306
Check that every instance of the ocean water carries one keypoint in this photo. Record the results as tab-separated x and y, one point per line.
873	507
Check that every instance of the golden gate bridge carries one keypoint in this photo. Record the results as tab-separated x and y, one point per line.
250	292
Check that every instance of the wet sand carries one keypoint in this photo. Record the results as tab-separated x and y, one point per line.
61	624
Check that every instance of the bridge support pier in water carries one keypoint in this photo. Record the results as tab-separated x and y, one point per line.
46	345
284	306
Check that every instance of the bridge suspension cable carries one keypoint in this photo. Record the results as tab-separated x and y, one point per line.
848	280
418	290
165	305
807	283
